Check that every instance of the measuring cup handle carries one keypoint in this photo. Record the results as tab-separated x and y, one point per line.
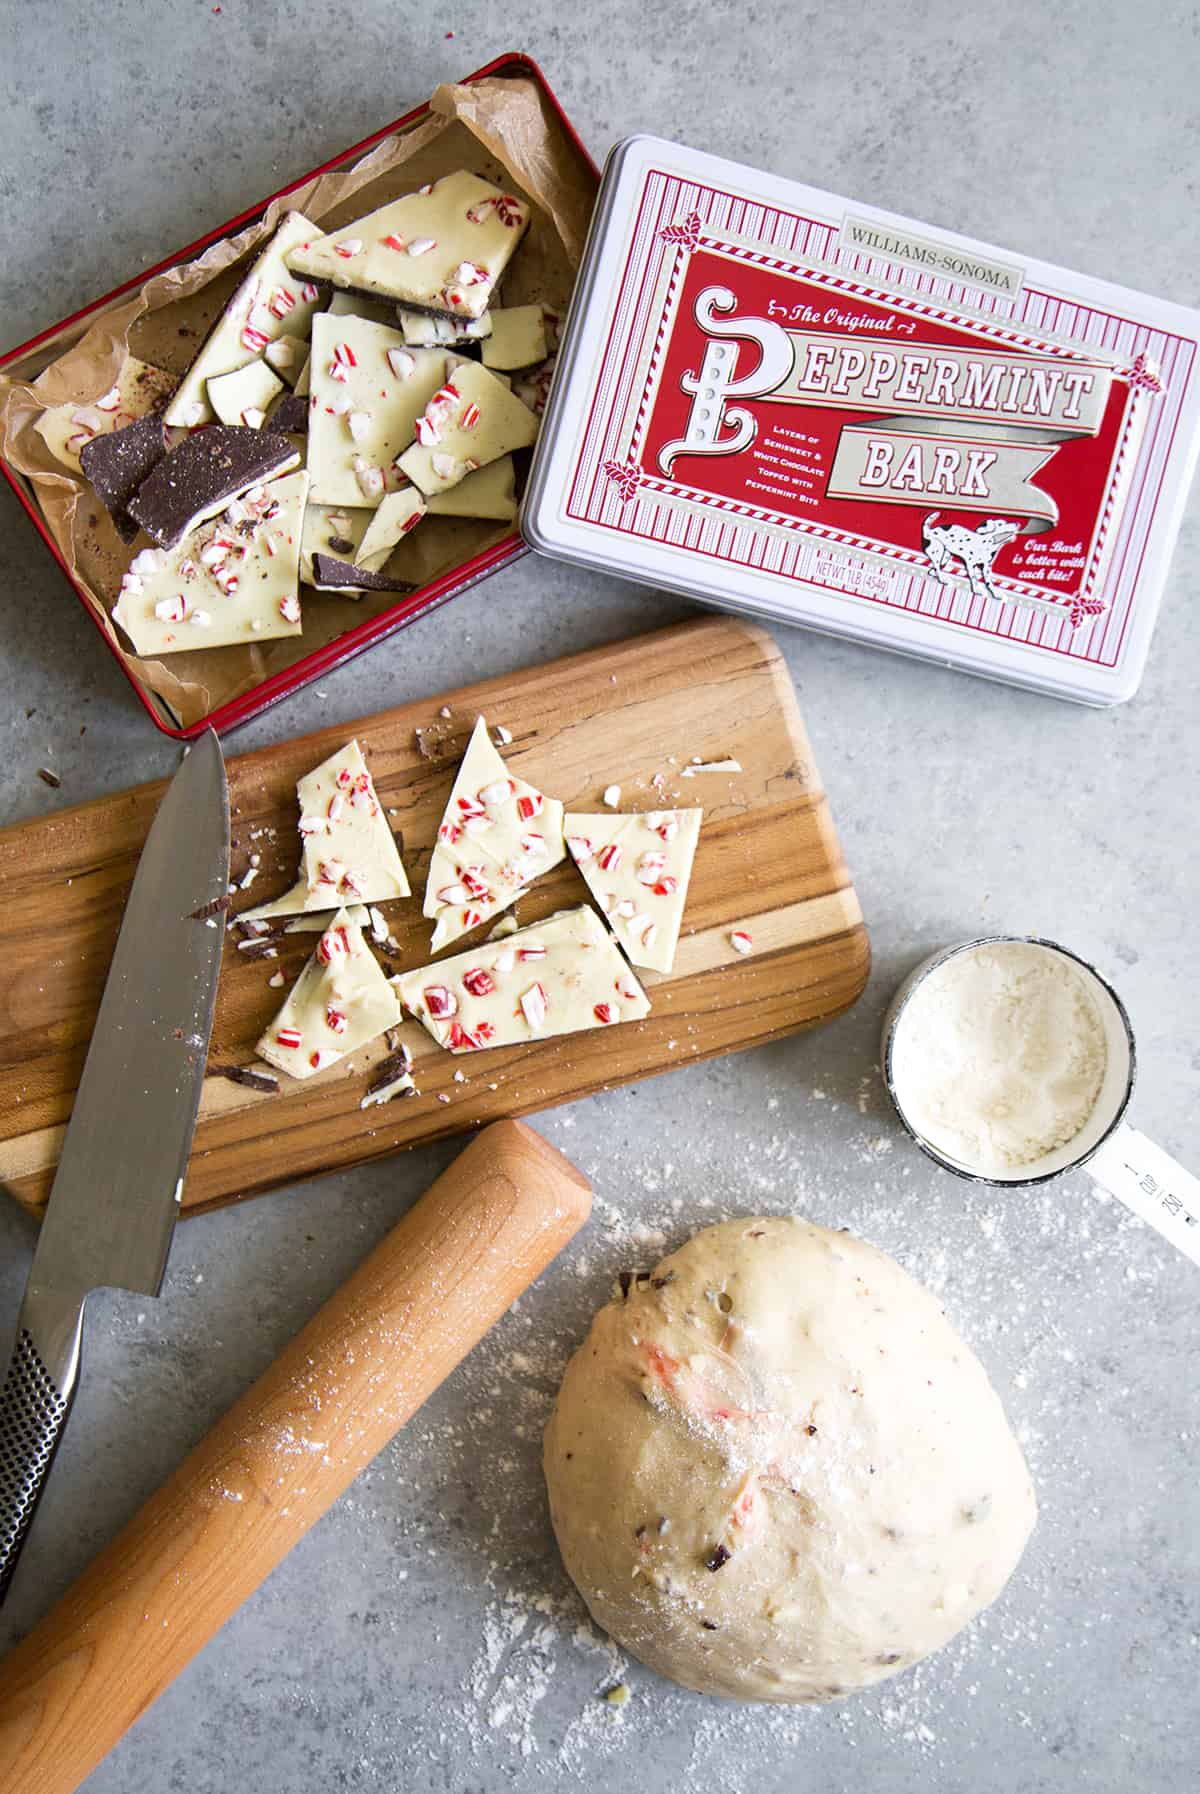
1150	1183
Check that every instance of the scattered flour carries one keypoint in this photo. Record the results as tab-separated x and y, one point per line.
448	1529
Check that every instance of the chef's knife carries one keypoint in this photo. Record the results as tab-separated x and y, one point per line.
116	1192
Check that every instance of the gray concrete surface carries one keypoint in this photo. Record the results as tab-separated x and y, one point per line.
423	1637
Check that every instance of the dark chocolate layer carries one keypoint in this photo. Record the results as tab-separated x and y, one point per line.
119	462
200	476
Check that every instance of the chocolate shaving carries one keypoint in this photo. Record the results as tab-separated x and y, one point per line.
662	1282
241	1074
338	576
258	949
396	1065
217	907
49	778
718	1557
341	544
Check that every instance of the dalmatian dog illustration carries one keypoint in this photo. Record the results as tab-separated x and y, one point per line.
975	548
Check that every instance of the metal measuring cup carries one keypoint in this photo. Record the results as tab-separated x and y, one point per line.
1114	1154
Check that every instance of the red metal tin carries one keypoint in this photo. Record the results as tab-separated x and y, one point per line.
414	604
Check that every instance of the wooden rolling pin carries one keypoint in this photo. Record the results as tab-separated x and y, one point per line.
282	1456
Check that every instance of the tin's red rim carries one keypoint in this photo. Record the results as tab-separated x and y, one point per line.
322	660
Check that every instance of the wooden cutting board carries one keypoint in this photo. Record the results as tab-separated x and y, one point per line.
634	714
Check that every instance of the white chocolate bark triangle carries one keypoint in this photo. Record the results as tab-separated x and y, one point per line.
349	853
497	835
637	868
233	579
270	303
368	391
559	976
472	421
440	249
398	513
340	1001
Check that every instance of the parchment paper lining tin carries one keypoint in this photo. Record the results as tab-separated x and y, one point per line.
504	122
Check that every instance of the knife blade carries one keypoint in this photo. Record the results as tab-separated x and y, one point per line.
115	1197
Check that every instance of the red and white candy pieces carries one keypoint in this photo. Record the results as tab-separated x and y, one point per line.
441	249
232	580
470	422
340	1001
348	852
560	976
497	835
270	303
368	391
637	868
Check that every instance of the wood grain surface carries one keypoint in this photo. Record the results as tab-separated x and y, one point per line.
283	1454
636	714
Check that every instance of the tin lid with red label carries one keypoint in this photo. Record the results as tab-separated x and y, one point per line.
798	405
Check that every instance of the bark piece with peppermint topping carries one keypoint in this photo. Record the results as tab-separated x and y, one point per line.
637	868
340	1001
441	249
497	835
348	852
560	976
234	580
269	304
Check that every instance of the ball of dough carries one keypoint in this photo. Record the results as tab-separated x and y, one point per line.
775	1470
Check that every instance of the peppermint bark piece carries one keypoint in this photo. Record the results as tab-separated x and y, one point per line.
560	976
245	396
270	303
637	868
518	337
349	853
489	492
118	462
368	390
471	421
340	1001
234	580
198	478
139	390
441	249
398	513
497	835
423	331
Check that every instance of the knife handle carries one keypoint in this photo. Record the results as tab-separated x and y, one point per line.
34	1405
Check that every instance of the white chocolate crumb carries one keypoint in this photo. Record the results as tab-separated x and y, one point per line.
698	765
612	796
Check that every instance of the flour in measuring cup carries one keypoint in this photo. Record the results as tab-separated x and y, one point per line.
999	1056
